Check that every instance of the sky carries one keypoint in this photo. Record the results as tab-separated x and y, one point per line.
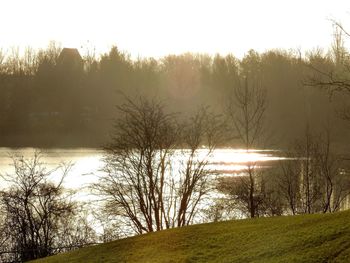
155	28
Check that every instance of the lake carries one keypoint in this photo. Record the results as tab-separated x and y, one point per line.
87	163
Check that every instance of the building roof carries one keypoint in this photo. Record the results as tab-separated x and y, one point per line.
72	52
70	57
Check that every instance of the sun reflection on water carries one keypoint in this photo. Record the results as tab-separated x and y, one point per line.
87	163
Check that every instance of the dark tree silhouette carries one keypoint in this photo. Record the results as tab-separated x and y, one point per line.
148	182
38	214
246	108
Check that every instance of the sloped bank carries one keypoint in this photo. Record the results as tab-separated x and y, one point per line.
307	238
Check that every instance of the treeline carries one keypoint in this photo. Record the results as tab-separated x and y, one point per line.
55	97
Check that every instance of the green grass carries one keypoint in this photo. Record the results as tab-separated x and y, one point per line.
312	238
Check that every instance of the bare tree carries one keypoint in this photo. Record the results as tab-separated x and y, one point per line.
334	75
194	178
148	182
310	192
298	180
313	179
36	210
246	109
137	162
75	231
289	182
336	80
335	185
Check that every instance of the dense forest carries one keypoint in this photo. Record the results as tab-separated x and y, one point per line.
57	98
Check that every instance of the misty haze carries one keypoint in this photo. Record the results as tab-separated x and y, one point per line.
163	131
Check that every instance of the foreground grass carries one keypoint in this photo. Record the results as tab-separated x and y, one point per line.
312	238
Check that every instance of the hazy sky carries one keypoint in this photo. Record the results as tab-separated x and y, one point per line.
160	27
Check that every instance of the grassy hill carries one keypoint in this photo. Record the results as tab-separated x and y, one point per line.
309	238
